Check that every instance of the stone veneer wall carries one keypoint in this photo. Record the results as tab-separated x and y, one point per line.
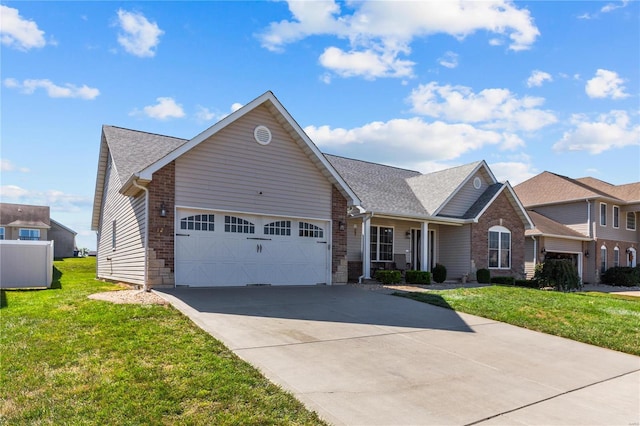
339	270
500	213
160	254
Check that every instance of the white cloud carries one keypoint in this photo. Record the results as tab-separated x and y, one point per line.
513	171
538	77
165	108
606	84
449	60
613	6
379	32
17	32
491	108
399	139
236	106
8	166
204	114
608	131
69	90
139	37
57	200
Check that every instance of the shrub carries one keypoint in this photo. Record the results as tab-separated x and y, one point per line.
527	283
484	276
418	277
503	280
622	276
439	273
389	277
561	274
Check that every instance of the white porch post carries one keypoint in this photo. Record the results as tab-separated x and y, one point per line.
425	262
366	247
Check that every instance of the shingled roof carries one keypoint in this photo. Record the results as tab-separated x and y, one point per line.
550	228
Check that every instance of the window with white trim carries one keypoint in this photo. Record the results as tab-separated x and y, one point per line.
616	217
603	214
310	230
198	222
499	247
1	232
616	257
281	227
603	259
381	244
238	225
631	221
29	234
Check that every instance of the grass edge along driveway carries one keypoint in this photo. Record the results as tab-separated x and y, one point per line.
606	320
67	359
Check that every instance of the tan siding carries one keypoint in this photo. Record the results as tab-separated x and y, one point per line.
573	215
231	171
466	195
529	264
354	240
620	233
454	248
562	245
126	262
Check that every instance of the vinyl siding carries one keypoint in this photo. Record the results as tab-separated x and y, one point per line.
562	245
529	258
573	215
466	195
232	172
454	250
125	262
354	240
621	233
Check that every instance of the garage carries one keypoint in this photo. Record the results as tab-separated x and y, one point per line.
214	248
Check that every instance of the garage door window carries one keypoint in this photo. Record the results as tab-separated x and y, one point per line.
310	230
281	227
198	222
238	225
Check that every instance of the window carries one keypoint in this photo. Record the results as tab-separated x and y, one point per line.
499	247
238	225
198	222
616	257
631	221
113	235
603	259
381	244
29	234
282	227
1	232
310	230
603	214
616	217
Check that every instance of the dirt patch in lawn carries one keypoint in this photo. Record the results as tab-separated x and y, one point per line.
130	296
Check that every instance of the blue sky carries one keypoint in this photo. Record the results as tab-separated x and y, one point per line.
527	86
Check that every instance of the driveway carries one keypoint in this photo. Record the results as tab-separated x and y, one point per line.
364	358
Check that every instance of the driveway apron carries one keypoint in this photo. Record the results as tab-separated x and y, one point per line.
363	358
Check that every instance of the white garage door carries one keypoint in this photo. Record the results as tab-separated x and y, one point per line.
224	249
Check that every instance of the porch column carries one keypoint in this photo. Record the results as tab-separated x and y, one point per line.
425	262
366	247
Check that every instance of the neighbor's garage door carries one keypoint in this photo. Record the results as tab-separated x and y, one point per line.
223	249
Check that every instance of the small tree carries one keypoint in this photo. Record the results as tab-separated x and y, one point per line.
439	273
561	274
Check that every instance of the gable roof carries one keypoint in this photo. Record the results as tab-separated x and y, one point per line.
551	188
24	215
546	227
629	192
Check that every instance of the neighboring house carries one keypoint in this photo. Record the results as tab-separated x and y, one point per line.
252	201
461	217
591	222
33	223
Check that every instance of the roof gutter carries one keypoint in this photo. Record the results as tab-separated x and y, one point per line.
146	229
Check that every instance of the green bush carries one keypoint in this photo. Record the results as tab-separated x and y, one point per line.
503	280
625	276
484	276
561	274
439	273
527	283
389	277
418	277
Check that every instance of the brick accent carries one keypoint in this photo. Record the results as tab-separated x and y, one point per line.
500	213
160	255
339	270
611	245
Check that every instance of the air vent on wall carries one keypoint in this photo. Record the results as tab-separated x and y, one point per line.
262	135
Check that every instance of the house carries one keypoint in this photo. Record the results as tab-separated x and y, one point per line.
460	217
252	201
589	221
33	223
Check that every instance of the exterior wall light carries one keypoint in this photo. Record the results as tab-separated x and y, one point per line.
163	210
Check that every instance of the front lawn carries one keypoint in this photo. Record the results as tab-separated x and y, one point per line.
604	320
67	359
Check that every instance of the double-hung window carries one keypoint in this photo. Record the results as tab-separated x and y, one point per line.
29	234
631	221
1	232
616	257
499	247
616	217
603	259
381	244
603	214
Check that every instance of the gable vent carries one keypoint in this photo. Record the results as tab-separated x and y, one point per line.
262	135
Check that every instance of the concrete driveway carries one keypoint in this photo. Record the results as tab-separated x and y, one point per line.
363	358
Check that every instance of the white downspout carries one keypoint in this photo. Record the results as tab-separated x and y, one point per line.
146	230
366	248
535	252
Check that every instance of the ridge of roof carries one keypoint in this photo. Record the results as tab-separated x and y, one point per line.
370	162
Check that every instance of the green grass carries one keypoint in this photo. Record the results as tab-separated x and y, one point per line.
606	320
67	359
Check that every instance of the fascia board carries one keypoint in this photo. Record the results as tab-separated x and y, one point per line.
464	181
